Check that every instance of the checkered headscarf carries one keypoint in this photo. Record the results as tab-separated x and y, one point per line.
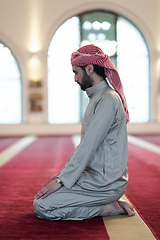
91	54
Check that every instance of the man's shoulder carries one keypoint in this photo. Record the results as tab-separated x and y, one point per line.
109	93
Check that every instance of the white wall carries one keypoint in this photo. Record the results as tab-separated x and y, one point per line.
27	27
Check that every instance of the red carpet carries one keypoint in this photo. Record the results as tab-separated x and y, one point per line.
21	178
144	186
7	141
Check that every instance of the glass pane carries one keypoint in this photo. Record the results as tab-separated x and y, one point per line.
130	40
99	28
134	75
133	67
63	92
10	88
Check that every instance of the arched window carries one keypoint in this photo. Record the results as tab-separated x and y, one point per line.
10	88
121	40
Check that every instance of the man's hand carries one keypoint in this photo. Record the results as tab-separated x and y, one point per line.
51	179
49	188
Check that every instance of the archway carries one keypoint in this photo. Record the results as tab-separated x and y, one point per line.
121	40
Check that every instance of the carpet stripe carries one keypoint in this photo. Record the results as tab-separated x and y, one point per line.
144	144
6	142
124	227
155	139
14	149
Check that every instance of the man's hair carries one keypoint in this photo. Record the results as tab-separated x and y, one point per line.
98	70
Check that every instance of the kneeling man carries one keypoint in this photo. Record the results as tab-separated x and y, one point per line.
95	177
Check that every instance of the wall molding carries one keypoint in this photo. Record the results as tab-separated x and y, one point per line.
69	129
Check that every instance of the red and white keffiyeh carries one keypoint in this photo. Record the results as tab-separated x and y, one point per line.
91	54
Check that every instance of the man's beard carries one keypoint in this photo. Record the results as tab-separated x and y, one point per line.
86	81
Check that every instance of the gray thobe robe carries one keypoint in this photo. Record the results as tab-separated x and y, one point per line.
96	173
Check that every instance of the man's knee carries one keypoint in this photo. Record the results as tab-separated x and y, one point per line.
36	207
40	210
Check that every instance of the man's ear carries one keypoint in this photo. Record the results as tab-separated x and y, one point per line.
89	69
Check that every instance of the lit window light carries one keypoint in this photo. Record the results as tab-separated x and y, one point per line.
92	37
87	25
1	46
7	51
111	47
96	25
101	36
105	25
75	20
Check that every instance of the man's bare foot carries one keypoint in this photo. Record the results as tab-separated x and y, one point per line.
127	207
111	209
117	208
